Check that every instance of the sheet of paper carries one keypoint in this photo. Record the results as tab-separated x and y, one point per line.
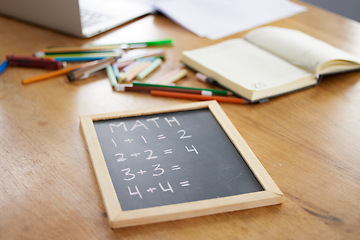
215	19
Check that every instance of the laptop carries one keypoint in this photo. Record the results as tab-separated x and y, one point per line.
80	18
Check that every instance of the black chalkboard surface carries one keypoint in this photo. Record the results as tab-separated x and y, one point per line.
161	162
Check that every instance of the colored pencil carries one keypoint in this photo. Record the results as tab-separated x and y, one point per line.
79	59
95	47
197	97
56	73
203	78
166	87
142	54
34	62
88	70
133	88
3	66
79	54
162	42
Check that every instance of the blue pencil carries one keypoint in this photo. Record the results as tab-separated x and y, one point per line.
3	66
78	59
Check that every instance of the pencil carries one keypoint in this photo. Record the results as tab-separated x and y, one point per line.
94	47
105	53
197	97
79	59
86	71
55	73
152	86
135	88
3	66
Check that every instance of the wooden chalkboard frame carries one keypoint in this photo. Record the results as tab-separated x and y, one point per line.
118	218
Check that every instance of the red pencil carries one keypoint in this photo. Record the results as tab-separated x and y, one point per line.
197	97
35	62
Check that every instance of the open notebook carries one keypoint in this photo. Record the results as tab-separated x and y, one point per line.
81	18
269	61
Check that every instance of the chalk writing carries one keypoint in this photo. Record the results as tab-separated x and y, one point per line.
172	120
128	176
142	124
150	189
129	140
135	154
168	151
183	134
144	139
185	183
150	156
136	192
171	158
192	149
157	170
112	126
121	155
141	172
175	167
166	188
112	140
161	137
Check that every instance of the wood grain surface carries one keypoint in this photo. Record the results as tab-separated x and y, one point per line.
307	141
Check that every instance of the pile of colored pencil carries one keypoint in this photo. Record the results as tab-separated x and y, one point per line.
125	70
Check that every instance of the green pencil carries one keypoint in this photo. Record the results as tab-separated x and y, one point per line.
214	91
162	42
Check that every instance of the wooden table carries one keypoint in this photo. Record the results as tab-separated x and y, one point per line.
308	141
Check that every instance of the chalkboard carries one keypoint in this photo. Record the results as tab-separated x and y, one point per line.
160	163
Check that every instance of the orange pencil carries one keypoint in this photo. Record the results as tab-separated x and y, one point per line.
56	73
197	97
